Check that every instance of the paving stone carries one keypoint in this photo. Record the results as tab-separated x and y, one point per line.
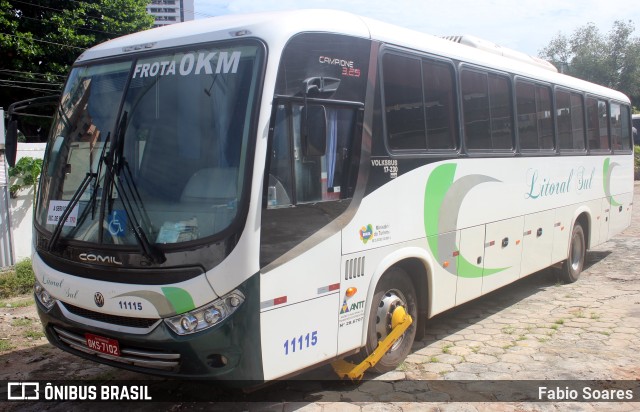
437	367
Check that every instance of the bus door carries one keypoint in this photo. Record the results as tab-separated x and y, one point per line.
307	188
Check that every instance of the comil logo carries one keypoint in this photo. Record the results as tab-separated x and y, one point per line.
21	391
90	257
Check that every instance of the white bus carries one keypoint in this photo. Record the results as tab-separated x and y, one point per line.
249	196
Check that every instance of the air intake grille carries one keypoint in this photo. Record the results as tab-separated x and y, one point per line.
112	319
354	268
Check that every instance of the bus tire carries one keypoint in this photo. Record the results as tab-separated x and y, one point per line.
394	288
572	267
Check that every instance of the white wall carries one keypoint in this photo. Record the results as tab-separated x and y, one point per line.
21	208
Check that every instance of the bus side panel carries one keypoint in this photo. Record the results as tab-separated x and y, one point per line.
299	303
595	208
470	264
604	220
562	226
620	213
537	242
297	336
503	253
357	269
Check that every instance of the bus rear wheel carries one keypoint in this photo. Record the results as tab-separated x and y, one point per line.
572	267
394	289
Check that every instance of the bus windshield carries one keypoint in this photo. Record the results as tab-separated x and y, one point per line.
153	147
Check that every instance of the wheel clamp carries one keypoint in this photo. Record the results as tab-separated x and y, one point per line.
400	322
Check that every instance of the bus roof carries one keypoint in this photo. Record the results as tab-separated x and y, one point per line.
276	28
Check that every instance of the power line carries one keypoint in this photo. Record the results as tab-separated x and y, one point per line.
24	82
50	8
71	25
43	41
30	88
23	74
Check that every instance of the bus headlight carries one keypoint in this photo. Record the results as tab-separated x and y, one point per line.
43	296
206	316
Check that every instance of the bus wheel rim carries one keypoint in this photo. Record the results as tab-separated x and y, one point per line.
576	253
390	301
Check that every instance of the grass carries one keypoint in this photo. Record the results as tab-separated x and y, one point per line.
445	348
521	337
433	359
595	315
578	313
508	330
554	326
5	345
559	321
34	334
17	280
22	322
20	303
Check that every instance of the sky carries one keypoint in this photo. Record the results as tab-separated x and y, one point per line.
524	25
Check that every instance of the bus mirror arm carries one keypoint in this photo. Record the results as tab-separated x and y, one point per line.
16	109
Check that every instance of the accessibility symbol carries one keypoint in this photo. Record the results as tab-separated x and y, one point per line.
118	223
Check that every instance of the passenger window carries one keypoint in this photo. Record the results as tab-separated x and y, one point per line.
597	129
440	105
620	138
403	104
475	107
501	112
535	127
486	104
570	113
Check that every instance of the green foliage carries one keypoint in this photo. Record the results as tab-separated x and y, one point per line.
18	280
612	60
40	39
24	175
636	161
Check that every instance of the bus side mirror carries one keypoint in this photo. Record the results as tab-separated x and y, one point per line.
314	130
11	143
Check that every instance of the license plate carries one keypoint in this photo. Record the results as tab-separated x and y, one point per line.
102	344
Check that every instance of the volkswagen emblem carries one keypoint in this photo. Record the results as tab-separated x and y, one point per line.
99	299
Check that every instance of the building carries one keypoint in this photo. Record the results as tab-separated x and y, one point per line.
170	11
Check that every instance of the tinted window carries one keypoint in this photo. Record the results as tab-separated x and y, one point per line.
440	105
535	127
570	114
620	127
403	105
486	104
475	107
501	112
597	130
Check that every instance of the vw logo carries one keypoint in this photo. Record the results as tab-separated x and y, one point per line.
99	299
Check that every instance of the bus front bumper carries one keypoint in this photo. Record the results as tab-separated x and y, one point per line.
228	352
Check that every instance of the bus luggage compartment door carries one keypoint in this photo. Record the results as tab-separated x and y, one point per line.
502	253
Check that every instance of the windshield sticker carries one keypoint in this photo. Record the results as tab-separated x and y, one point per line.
56	210
191	63
118	223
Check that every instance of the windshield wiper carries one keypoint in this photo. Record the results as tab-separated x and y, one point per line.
115	163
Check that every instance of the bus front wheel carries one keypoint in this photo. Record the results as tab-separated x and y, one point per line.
394	289
572	267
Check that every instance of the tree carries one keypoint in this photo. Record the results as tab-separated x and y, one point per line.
40	39
612	60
